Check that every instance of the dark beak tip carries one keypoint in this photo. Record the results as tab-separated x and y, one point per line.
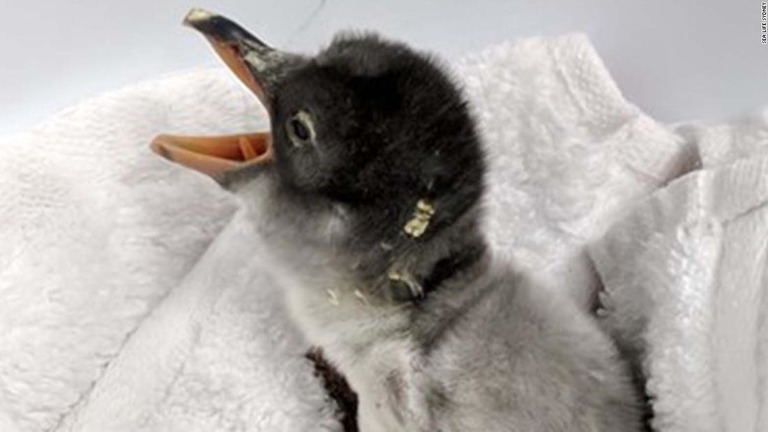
217	27
197	16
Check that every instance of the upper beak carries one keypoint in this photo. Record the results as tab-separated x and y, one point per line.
259	67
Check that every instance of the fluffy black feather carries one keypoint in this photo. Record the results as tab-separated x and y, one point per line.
391	127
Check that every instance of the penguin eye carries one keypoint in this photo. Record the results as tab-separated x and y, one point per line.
300	129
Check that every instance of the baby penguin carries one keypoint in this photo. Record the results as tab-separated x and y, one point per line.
370	202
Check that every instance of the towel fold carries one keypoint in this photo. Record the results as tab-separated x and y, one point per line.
686	286
128	305
567	154
218	354
95	233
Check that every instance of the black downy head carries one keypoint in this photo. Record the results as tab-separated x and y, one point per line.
368	126
382	130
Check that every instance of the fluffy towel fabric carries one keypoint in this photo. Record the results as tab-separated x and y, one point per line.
94	234
118	313
685	285
567	154
217	354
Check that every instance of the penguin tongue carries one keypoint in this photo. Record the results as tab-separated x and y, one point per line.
258	66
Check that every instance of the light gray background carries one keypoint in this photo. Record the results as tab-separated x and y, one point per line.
677	59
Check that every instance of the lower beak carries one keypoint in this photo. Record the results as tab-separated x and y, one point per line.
259	67
215	155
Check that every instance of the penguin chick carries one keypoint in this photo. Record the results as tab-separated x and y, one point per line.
371	212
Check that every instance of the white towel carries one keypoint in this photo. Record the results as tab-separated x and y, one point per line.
687	287
101	230
95	232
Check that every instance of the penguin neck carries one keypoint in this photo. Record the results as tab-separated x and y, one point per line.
415	269
369	338
352	309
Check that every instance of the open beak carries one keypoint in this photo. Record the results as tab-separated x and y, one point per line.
259	67
215	155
